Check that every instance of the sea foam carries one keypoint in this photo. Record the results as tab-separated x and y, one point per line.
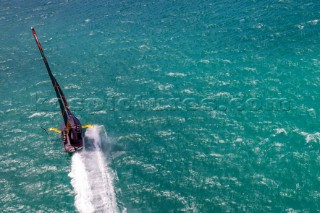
91	177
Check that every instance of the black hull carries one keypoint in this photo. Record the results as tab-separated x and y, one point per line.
70	145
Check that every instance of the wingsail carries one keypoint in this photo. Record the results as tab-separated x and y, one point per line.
71	128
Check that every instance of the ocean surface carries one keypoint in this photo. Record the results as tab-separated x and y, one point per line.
198	106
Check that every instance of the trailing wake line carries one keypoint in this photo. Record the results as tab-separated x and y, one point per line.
91	177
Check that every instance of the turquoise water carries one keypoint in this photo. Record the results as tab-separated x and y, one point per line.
142	70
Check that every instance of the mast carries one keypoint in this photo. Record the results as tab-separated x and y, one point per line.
65	111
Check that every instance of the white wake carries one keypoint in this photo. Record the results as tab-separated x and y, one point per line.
91	177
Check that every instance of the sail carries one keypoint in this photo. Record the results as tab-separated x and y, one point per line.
65	111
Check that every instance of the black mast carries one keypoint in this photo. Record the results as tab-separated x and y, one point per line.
65	111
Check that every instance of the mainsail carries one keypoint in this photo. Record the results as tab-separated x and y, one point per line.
66	113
